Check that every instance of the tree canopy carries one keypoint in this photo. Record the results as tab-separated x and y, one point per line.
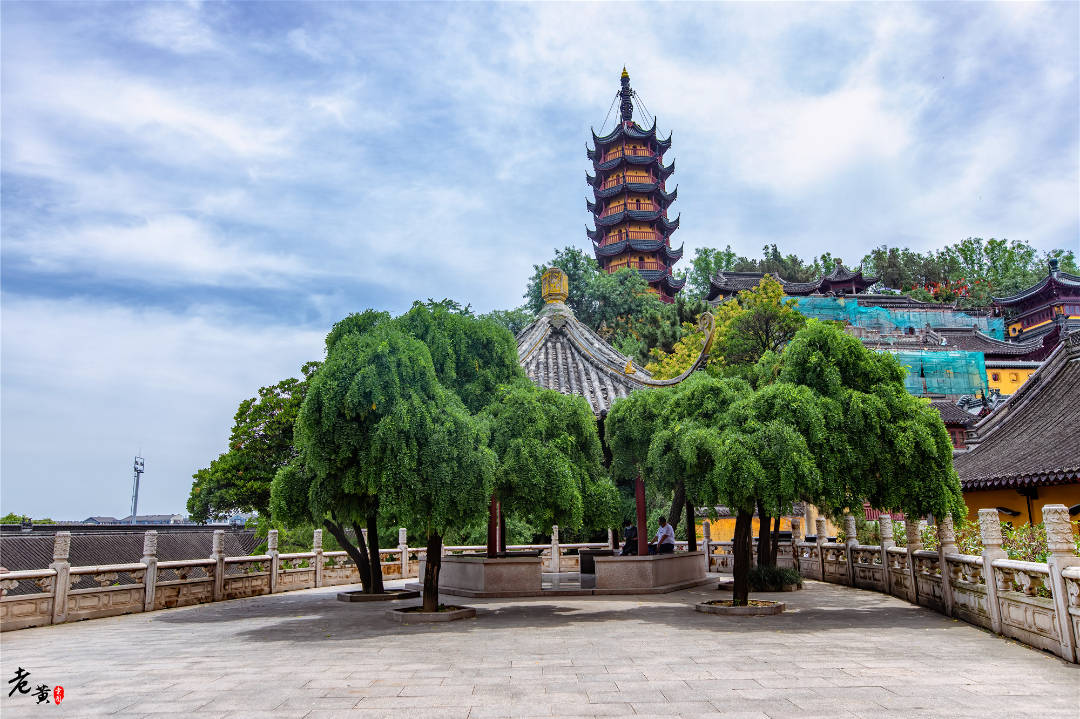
549	462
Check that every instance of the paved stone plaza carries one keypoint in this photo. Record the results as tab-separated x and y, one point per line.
837	652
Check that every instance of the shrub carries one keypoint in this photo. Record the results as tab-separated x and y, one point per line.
773	579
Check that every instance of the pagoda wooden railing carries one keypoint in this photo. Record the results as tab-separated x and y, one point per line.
631	235
635	206
640	265
627	179
628	152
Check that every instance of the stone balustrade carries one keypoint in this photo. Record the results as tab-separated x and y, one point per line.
63	593
1035	603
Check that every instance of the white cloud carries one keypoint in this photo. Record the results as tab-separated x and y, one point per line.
174	26
166	249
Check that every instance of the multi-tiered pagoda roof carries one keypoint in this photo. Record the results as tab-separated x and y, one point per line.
631	201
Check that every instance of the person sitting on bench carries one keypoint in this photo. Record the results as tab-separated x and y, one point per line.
629	547
665	538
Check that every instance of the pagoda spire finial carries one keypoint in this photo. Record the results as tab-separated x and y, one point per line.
626	107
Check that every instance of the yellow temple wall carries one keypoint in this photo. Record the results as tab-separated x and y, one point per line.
1008	380
723	529
1067	494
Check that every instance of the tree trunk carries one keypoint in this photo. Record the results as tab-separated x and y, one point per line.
359	557
493	528
373	550
691	528
502	529
764	527
431	572
774	549
362	545
741	548
675	513
642	529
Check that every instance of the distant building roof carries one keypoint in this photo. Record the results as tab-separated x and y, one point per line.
952	413
840	280
101	520
34	551
1054	283
972	340
1030	440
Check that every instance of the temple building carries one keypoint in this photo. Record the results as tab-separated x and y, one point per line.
1025	453
630	200
1041	311
841	281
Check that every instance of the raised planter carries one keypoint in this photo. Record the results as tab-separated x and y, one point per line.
413	615
478	576
651	571
756	608
359	596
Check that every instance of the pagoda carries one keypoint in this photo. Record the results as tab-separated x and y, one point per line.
631	200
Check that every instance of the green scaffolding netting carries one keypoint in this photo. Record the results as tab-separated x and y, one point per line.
952	373
886	319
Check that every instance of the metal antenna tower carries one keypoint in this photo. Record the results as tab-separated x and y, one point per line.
139	468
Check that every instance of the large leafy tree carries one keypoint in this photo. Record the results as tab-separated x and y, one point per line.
682	452
261	442
378	429
831	424
549	461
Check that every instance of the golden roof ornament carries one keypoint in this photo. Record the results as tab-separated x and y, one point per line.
554	285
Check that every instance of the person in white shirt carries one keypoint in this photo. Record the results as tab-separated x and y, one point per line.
665	538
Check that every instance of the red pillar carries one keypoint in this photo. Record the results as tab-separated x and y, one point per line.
493	528
642	529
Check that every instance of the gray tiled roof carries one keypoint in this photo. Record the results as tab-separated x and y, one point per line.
34	551
561	353
951	413
1031	439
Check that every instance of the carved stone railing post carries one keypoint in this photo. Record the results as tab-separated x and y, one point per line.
946	545
403	547
885	530
62	580
850	541
819	537
316	546
555	551
990	532
218	555
796	538
275	561
914	544
706	543
1059	540
149	550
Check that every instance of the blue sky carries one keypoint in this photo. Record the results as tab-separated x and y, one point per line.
193	193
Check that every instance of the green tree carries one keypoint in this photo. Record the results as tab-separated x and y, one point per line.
514	320
12	518
261	442
472	356
763	320
549	462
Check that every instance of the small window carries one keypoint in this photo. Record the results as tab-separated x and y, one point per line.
1013	376
993	376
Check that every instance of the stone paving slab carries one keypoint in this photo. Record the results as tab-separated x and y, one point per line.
837	652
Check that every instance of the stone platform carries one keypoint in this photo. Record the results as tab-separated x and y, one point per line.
835	652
